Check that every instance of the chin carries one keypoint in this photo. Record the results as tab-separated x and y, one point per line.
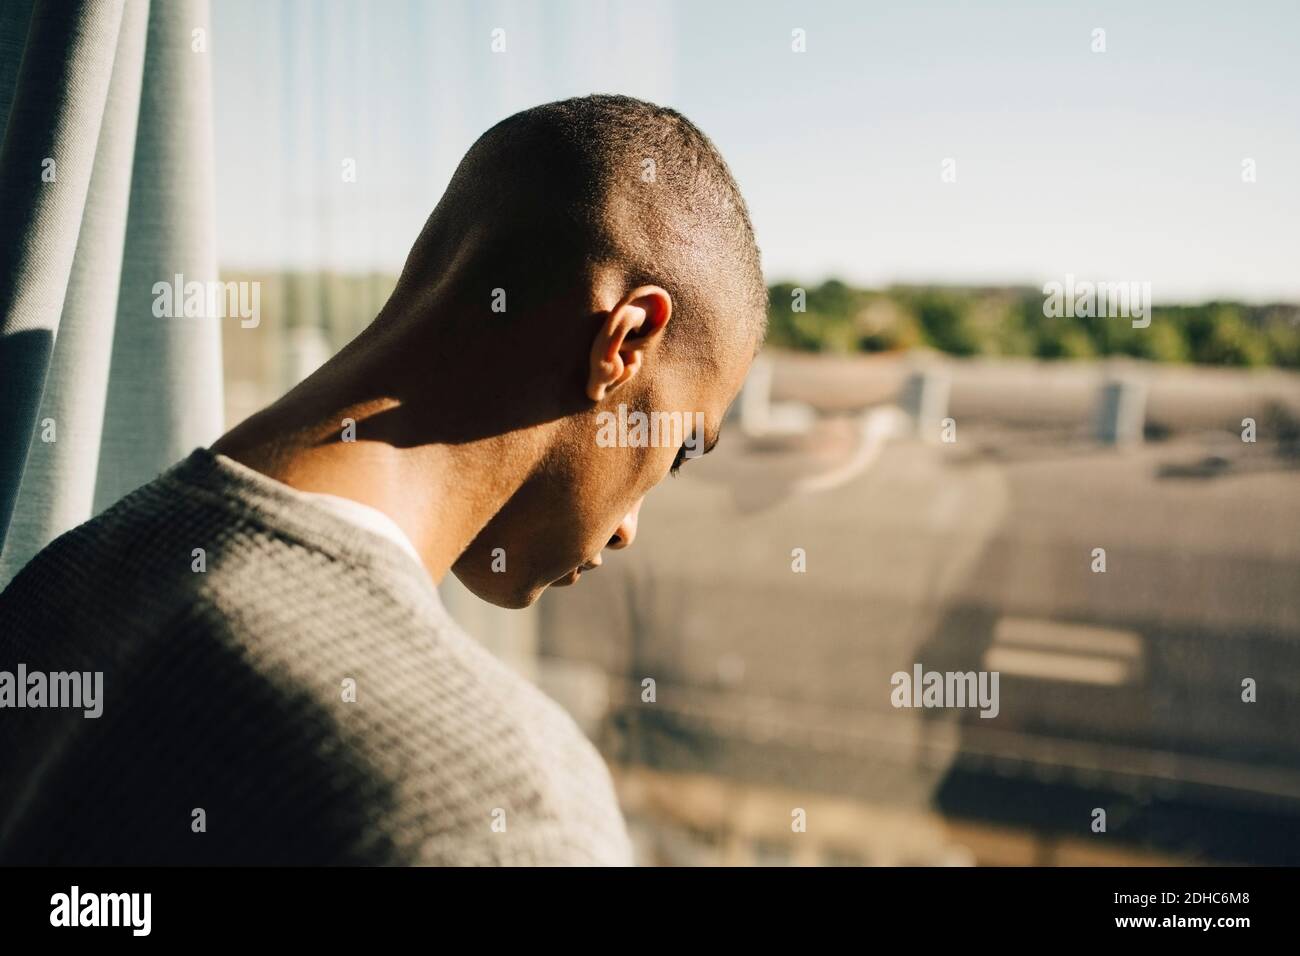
517	602
501	593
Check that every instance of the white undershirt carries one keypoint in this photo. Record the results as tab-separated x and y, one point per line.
364	516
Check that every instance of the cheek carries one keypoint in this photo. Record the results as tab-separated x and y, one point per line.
657	468
645	469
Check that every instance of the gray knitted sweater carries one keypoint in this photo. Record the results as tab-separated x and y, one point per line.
303	699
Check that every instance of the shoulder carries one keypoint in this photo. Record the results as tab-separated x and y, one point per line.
463	761
499	772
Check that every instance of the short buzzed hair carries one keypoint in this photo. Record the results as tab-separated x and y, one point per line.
554	190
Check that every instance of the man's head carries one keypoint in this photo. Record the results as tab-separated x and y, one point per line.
598	254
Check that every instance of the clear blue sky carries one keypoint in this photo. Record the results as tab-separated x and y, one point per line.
1117	165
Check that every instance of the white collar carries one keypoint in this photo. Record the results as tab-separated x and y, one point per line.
364	516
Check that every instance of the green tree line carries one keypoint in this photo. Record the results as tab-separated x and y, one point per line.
837	317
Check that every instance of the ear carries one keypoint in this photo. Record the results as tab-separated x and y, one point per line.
631	330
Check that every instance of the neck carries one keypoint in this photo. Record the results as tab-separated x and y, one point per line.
440	493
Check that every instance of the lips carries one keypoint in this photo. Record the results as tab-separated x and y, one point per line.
572	576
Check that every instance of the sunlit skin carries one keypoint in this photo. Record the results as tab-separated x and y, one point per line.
472	440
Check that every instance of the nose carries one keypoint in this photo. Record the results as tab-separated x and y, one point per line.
625	533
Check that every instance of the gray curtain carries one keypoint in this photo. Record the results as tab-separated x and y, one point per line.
106	188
